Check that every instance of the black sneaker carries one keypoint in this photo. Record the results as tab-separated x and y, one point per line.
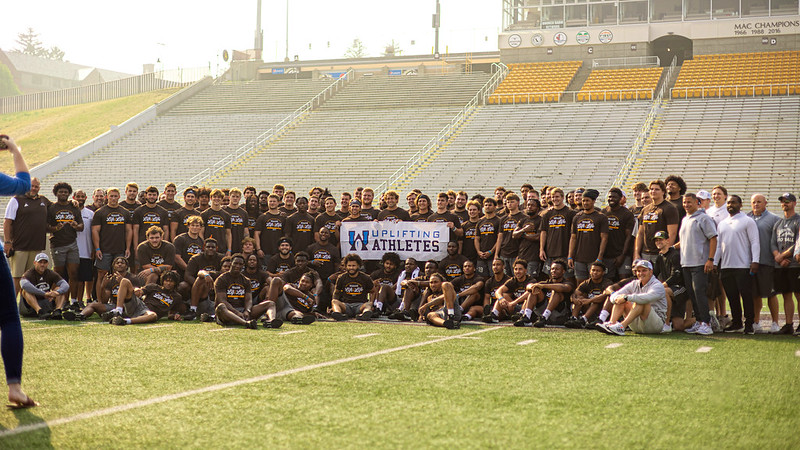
541	322
77	306
574	323
516	316
366	315
451	324
397	315
487	309
376	313
797	331
109	315
205	317
118	320
274	323
593	325
56	314
413	314
190	315
736	328
491	318
748	329
523	321
251	324
73	316
45	315
785	329
337	316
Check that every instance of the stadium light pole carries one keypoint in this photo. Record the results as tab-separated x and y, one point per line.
259	43
436	21
286	58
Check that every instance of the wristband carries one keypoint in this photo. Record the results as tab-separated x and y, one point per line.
570	259
97	249
711	259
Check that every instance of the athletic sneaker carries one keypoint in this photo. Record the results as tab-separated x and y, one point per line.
715	323
118	320
77	306
376	313
397	315
337	316
704	330
190	315
109	315
785	329
487	309
774	328
451	324
616	328
516	316
734	328
304	320
603	327
756	327
693	329
541	322
593	325
797	331
725	321
523	321
366	315
251	324
574	323
667	328
491	318
43	315
748	329
73	316
274	323
206	317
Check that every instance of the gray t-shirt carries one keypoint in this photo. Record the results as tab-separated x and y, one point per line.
784	236
695	231
765	222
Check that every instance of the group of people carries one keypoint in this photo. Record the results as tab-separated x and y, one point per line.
668	261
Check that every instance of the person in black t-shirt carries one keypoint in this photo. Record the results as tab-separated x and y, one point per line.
64	222
152	302
300	226
233	298
512	294
547	297
281	261
352	290
156	256
440	294
44	292
240	220
386	280
200	274
588	298
452	264
490	288
469	291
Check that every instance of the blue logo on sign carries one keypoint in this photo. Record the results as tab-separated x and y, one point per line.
355	238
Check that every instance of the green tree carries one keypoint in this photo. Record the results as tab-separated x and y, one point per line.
30	44
357	50
7	85
393	49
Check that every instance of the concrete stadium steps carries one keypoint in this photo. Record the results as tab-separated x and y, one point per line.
747	145
341	149
568	145
408	91
170	148
252	97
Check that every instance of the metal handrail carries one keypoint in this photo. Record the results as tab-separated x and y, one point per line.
717	89
644	133
500	71
559	96
268	135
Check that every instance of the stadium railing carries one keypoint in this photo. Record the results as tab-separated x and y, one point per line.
270	134
500	71
740	90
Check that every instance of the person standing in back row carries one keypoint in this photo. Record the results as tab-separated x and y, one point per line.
11	345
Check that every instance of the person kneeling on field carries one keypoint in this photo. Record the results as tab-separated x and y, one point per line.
511	295
152	302
233	298
116	287
44	292
643	302
350	295
440	293
547	298
588	299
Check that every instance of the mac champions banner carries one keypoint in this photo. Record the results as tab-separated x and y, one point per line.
419	240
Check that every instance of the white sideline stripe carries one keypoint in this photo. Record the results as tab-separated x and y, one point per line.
529	341
291	332
614	345
457	337
362	336
157	326
57	326
219	387
703	350
220	329
797	353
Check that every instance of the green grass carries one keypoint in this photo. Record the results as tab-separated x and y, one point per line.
44	133
565	390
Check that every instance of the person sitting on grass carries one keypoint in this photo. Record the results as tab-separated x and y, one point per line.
233	297
201	271
291	302
668	270
152	302
115	287
548	297
588	298
352	290
440	294
410	285
469	291
490	287
44	292
512	294
642	302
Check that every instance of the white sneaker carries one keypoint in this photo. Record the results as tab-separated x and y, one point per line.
725	321
715	323
756	327
617	329
774	328
667	328
704	329
693	329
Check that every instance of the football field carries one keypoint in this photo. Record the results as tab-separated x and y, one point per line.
364	385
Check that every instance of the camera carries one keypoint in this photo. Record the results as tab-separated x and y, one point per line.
3	145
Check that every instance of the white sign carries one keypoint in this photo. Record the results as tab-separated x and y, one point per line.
514	40
419	240
582	37
605	36
560	38
537	39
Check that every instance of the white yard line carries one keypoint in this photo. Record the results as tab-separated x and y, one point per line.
703	349
362	336
797	353
218	387
529	341
614	345
292	332
157	326
77	325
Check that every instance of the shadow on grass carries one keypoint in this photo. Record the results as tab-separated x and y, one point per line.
37	438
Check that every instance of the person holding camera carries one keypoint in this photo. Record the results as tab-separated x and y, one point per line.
12	345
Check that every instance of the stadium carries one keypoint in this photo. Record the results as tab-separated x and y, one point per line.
589	94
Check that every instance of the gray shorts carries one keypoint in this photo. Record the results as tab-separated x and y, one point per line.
105	263
27	311
135	307
456	316
623	271
652	325
582	270
67	254
283	307
352	309
219	319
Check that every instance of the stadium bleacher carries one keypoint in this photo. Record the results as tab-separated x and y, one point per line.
361	135
535	82
569	144
746	144
739	74
620	84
